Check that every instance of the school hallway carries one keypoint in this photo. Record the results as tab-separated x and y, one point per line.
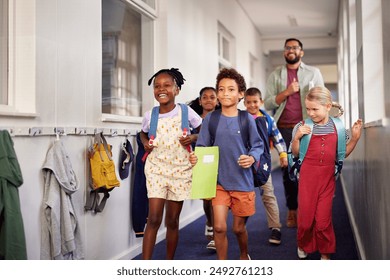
192	242
65	77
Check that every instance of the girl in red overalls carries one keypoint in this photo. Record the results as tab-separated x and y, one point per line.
316	178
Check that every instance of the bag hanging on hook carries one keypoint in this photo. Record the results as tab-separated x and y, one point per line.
103	176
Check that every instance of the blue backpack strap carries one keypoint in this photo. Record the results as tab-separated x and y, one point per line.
184	118
305	140
242	120
213	123
244	127
153	122
269	121
341	145
294	164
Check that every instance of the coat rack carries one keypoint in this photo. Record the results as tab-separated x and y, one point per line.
77	131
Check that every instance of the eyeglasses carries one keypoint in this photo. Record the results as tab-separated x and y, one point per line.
294	48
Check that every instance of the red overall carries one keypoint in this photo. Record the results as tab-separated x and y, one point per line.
315	196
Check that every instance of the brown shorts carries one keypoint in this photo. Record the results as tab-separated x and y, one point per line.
242	204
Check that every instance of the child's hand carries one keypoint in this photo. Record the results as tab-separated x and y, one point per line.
356	129
185	141
301	131
245	161
193	159
148	148
283	162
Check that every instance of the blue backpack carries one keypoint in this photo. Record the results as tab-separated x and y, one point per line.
154	120
261	168
295	163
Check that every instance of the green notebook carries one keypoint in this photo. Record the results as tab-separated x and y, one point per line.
205	172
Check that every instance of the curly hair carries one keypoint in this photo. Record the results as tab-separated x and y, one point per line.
230	73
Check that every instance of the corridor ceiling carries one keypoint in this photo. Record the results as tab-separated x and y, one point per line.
314	22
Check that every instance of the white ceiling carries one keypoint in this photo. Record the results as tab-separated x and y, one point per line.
293	18
314	22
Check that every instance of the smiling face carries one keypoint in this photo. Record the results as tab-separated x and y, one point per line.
228	93
292	52
165	89
253	104
208	100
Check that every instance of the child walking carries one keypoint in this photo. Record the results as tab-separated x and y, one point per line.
317	180
167	168
253	101
204	104
235	185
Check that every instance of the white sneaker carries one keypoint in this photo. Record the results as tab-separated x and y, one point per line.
211	245
301	254
209	232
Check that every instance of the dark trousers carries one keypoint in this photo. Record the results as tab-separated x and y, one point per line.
290	187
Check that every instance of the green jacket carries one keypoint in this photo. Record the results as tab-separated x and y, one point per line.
12	238
277	82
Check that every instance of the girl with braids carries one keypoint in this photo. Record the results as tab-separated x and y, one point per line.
317	180
168	171
204	104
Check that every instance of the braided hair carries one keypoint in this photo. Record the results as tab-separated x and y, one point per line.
324	97
173	72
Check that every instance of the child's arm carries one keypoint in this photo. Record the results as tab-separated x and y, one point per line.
145	141
189	139
193	158
279	144
299	133
246	161
356	131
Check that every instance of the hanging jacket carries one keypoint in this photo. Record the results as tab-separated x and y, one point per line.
140	202
60	232
12	236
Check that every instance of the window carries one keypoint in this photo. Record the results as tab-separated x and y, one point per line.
126	54
3	52
17	58
372	61
226	45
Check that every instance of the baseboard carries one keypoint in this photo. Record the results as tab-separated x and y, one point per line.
134	251
355	230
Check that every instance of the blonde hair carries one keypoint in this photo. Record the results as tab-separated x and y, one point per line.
323	96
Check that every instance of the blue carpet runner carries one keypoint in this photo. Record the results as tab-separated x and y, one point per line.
192	242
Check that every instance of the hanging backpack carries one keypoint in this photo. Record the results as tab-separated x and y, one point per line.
295	163
154	121
103	176
262	168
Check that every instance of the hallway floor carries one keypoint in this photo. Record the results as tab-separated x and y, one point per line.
192	243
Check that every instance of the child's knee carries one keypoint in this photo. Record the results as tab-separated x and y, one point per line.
172	223
239	229
220	229
154	221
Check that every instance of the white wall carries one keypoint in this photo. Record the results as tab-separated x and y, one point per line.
187	39
68	94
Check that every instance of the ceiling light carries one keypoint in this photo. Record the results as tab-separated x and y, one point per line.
293	21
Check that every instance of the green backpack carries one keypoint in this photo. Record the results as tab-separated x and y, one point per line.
295	163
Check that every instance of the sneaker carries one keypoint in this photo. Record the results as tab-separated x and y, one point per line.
301	254
211	245
291	219
209	232
276	237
